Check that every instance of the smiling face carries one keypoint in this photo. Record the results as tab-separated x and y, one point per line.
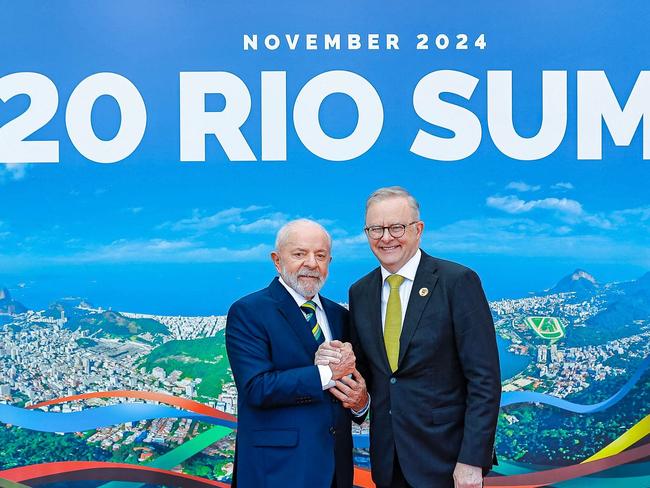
394	252
303	259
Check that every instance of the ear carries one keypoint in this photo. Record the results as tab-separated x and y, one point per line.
275	257
420	228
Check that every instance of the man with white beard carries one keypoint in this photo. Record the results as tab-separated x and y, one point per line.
291	431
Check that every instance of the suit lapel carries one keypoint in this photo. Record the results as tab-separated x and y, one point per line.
332	319
290	310
374	319
425	277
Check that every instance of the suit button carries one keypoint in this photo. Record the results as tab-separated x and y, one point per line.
393	381
334	400
390	412
332	431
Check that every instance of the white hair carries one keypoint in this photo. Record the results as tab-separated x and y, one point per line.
389	192
284	232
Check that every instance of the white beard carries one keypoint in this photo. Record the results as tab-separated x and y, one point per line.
306	290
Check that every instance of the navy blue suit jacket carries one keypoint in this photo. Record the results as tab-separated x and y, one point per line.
442	403
290	432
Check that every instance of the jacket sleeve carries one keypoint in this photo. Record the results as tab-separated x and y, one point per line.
257	380
362	362
479	358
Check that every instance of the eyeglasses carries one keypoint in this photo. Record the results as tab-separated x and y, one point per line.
396	230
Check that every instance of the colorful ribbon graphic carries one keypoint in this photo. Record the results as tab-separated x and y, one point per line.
511	398
184	403
547	477
94	418
608	458
89	470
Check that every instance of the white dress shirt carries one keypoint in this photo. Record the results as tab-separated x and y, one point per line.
324	371
408	272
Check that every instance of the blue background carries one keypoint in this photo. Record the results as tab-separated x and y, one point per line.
152	234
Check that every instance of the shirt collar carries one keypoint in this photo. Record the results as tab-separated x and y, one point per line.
298	298
407	271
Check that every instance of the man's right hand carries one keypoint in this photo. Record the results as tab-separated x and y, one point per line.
328	352
338	356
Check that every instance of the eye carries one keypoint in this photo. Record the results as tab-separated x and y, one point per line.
298	254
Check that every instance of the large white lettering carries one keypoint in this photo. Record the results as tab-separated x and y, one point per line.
597	103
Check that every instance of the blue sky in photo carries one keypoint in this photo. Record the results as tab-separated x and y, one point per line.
152	234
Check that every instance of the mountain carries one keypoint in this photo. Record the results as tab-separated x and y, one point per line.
625	312
203	358
643	283
8	304
580	282
70	306
625	308
115	324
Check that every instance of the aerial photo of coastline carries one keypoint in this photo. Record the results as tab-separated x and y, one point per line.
580	341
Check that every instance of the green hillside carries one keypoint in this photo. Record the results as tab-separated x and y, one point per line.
203	358
114	324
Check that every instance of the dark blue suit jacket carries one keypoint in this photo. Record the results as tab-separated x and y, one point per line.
442	403
290	432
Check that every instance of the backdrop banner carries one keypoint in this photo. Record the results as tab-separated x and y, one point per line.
150	151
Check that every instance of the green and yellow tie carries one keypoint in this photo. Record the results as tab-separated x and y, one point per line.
393	321
309	309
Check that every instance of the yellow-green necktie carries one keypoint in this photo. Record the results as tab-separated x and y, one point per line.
393	321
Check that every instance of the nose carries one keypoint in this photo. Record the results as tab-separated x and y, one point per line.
310	261
386	237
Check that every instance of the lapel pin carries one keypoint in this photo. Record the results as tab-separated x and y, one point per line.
424	292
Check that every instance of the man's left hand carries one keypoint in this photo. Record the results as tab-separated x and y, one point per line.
466	476
351	391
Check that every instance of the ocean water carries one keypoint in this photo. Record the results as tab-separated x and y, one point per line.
511	364
210	288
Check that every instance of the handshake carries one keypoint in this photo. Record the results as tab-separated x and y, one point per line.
349	386
339	356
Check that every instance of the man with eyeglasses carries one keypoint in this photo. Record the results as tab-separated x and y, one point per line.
291	431
424	341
